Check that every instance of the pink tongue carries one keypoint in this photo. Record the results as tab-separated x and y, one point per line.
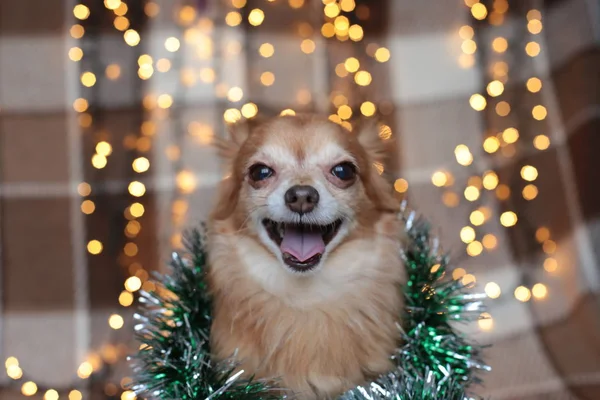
302	244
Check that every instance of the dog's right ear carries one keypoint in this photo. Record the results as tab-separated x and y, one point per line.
228	148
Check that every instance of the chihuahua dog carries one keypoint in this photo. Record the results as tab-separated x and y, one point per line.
304	256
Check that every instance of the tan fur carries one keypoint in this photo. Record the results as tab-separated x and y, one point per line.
320	333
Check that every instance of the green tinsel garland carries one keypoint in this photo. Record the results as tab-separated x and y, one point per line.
435	362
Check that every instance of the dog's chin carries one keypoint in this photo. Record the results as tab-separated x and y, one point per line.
301	246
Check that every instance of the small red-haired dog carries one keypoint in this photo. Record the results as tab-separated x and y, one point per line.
303	247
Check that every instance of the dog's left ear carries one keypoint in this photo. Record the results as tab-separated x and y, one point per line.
378	189
367	134
237	134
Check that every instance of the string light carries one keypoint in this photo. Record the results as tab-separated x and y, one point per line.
75	54
468	46
136	189
491	144
485	322
534	26
550	265
539	291
477	102
467	234
363	78
532	49
401	185
502	108
479	11
541	142
81	12
382	54
530	192
256	17
94	247
500	45
495	88
51	394
367	109
522	294
508	219
466	32
463	155
539	112
267	78
29	388
471	193
510	135
307	46
132	37
76	31
172	44
489	241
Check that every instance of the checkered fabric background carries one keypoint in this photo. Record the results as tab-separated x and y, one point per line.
56	297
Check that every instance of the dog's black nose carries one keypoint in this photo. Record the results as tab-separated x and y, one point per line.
301	198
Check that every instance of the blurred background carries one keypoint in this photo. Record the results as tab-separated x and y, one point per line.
108	109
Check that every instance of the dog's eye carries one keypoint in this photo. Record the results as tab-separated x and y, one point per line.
260	172
344	171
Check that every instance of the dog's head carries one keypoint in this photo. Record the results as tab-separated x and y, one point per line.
303	185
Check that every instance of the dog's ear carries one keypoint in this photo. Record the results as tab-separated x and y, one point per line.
378	151
368	135
227	148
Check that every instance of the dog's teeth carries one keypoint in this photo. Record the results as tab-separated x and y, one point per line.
281	230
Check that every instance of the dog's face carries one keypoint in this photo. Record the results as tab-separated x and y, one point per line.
302	186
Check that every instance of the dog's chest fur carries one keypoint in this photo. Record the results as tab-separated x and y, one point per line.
322	334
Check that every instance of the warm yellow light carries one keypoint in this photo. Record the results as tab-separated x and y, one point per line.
29	388
470	3
502	192
495	88
140	164
539	291
491	144
534	84
207	75
88	79
508	218
541	142
172	44
489	241
75	54
530	192
510	135
352	64
81	12
532	49
256	17
477	102
125	298
186	181
112	4
356	33
76	394
266	50
128	395
341	24
382	54
80	105
331	10
367	109
458	273
503	108
235	94
500	44
401	185
345	112
468	279
477	218
534	26
132	38
121	9
362	78
385	132
130	249
466	32
550	264
233	18
14	372
163	65
439	178
113	71
77	31
522	294
133	283
534	14
463	155
51	394
137	189
479	11
121	23
99	161
296	3
103	148
485	322
267	78
471	193
542	234
307	46
88	207
347	5
529	173
468	46
151	9
249	110
539	112
136	210
165	101
492	289
328	30
475	181
490	180
115	321
549	247
467	234
94	246
450	199
11	362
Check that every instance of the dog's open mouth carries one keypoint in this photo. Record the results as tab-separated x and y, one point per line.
302	245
